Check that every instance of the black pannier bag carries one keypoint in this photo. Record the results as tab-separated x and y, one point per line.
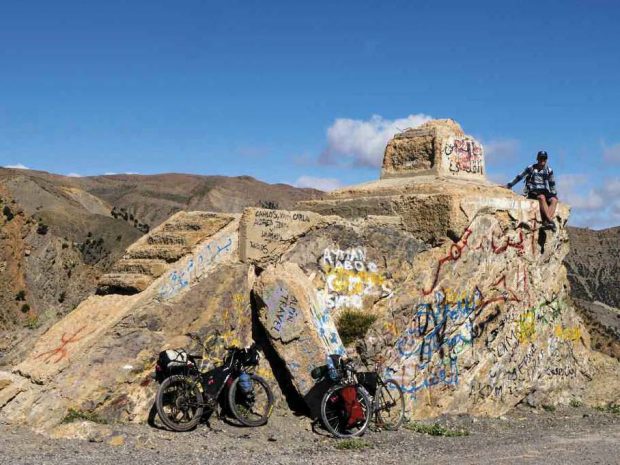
368	379
172	362
213	380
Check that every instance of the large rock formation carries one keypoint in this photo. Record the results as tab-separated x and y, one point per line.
468	291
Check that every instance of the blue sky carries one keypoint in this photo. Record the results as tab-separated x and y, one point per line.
307	92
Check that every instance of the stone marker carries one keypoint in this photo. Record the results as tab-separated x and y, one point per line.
438	147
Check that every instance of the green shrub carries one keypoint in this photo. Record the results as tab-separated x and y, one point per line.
79	415
435	429
575	403
42	229
352	444
609	408
32	322
20	296
6	211
353	325
549	408
25	308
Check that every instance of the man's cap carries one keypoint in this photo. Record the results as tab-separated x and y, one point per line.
542	154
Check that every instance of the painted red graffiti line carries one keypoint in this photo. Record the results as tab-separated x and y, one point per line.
519	245
534	226
455	253
61	350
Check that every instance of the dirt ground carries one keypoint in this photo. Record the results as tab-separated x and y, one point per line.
525	436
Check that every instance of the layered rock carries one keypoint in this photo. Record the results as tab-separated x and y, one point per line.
438	147
149	258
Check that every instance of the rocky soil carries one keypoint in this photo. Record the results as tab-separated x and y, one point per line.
524	436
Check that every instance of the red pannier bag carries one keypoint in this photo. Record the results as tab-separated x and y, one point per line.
352	406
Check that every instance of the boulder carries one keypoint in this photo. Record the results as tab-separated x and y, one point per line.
299	329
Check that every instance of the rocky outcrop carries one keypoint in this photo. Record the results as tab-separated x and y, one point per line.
467	290
101	355
148	259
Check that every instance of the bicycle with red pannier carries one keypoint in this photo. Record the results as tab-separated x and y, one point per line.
355	397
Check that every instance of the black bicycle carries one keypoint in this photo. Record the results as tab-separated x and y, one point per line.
355	397
185	393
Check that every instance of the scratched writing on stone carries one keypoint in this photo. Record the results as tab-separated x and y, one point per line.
208	254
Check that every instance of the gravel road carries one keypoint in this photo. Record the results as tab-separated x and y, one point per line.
526	436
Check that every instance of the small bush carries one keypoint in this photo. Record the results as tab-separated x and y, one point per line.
119	237
548	408
79	415
435	430
25	308
90	234
353	325
32	322
609	408
42	229
575	403
6	211
20	296
352	444
65	245
61	297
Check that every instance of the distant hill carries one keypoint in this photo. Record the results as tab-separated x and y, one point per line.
594	264
593	267
58	234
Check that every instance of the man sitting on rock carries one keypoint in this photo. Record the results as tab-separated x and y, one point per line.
540	184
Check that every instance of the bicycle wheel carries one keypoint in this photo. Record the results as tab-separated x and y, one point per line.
335	415
179	402
251	409
389	404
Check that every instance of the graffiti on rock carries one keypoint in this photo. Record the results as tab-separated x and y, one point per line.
426	352
349	277
464	156
326	328
282	308
275	226
178	279
61	352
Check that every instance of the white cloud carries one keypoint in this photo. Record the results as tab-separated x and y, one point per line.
364	141
18	166
611	154
498	150
593	207
322	184
74	175
571	188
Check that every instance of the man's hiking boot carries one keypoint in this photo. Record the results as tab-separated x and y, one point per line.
550	225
